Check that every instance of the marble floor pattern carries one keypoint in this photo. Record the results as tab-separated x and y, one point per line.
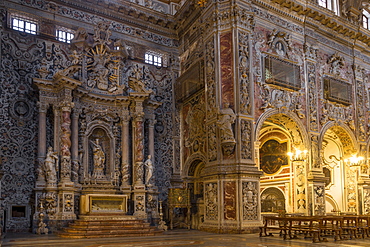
179	238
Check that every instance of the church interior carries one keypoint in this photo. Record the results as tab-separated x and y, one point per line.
195	114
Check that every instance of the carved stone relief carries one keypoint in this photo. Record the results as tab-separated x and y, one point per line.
246	139
210	79
245	100
250	200
211	201
351	184
319	197
212	142
360	106
194	126
366	200
282	100
312	96
300	186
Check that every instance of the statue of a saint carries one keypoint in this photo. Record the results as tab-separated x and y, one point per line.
225	122
49	166
99	155
149	170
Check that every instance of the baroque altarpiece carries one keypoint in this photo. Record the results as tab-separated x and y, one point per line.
101	123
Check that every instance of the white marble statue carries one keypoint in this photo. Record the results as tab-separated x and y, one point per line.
227	118
149	170
50	164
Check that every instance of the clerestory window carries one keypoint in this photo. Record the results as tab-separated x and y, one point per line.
154	59
64	35
329	4
365	19
24	24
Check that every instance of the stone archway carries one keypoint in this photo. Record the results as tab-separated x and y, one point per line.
279	133
193	170
338	143
272	200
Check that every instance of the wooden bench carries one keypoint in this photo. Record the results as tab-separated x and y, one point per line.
332	226
309	226
274	223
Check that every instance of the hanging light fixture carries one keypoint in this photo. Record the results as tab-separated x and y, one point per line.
354	160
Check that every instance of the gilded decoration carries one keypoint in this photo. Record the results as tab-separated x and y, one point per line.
194	117
273	155
97	63
366	200
211	201
300	186
351	185
210	79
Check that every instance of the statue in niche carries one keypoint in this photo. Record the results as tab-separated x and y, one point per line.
149	170
99	159
227	118
49	165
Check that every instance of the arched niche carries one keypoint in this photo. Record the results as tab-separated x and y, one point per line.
101	131
272	200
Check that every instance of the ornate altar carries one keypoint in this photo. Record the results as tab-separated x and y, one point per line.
179	198
103	131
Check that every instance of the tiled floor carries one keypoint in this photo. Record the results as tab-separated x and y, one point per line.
184	238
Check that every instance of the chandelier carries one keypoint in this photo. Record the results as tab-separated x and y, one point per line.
354	160
298	155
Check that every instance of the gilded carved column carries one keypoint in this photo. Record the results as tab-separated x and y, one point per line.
43	107
139	196
65	142
139	150
125	169
74	147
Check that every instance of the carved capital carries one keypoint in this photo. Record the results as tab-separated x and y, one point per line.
43	106
66	106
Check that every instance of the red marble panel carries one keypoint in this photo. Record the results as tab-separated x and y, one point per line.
230	200
226	62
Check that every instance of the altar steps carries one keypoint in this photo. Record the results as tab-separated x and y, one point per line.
105	226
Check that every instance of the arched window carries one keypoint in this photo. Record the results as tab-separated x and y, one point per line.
329	4
365	19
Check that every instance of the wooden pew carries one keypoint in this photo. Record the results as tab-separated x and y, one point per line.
332	226
309	226
274	223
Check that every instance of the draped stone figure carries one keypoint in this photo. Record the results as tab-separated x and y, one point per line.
50	163
227	118
99	159
149	170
